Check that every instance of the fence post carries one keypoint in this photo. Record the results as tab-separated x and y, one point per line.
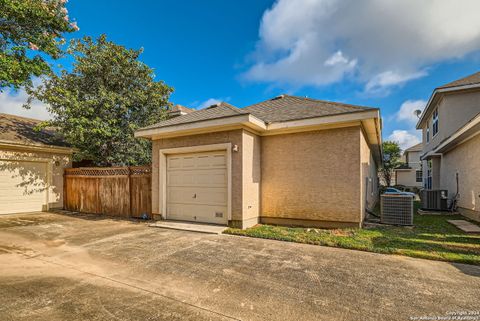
130	191
64	190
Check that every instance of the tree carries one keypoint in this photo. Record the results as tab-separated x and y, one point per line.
106	97
30	32
391	160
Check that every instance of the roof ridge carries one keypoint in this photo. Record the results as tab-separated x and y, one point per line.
360	107
235	109
331	102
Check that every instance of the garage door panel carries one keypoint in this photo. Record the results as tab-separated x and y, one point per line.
197	187
23	186
200	178
191	195
192	212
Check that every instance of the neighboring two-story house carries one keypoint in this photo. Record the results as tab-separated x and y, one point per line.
409	174
450	127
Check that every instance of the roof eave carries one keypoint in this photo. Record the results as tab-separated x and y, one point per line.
435	95
246	120
36	147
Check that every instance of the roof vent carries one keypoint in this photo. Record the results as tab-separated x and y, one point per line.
214	105
278	97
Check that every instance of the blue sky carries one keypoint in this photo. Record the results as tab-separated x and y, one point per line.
386	54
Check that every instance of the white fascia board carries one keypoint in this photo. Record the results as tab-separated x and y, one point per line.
325	120
36	148
245	120
252	122
457	135
437	92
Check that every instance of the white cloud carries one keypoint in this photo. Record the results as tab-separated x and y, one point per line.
390	78
409	136
405	138
11	102
380	43
407	111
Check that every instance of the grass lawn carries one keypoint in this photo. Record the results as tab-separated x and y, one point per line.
432	237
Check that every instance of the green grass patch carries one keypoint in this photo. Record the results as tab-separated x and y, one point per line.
431	237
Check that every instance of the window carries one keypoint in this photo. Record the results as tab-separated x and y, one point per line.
418	177
428	131
435	122
428	183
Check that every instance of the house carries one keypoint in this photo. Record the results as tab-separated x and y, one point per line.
450	127
31	166
287	160
409	174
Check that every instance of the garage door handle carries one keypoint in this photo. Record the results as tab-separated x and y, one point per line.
195	195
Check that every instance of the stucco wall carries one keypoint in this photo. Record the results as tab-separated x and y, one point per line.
251	149
454	111
408	178
234	137
312	175
464	160
55	192
414	159
368	179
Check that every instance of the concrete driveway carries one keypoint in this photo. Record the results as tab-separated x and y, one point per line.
59	267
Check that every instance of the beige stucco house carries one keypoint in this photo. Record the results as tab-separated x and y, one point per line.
450	125
31	166
287	160
409	174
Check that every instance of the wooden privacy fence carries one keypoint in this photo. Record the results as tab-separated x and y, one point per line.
114	191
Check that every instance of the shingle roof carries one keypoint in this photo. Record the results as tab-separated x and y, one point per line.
213	112
285	108
21	130
469	80
415	148
180	108
278	109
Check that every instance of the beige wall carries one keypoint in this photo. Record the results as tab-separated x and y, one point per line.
311	178
414	159
234	137
312	175
464	160
251	153
454	111
407	178
369	177
55	192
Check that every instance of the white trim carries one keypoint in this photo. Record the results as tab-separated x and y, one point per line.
440	91
162	192
325	120
224	122
49	164
474	122
256	124
36	148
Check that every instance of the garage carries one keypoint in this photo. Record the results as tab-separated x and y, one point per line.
32	163
197	187
23	186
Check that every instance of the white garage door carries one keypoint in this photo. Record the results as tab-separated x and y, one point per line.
23	186
197	187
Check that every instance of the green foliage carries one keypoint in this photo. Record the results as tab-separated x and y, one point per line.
28	27
432	238
391	159
98	106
